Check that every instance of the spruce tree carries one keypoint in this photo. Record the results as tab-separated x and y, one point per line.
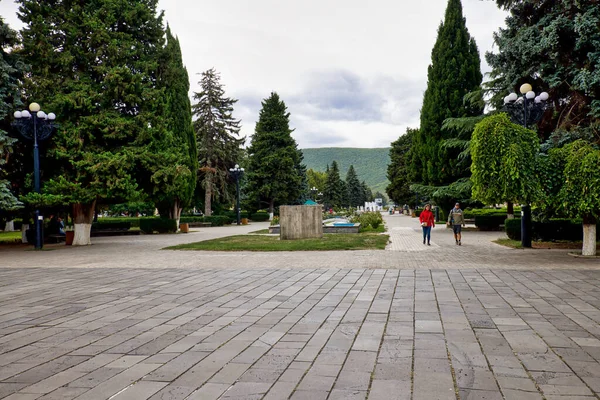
274	175
218	141
174	173
95	65
355	191
11	70
333	195
454	72
398	173
368	193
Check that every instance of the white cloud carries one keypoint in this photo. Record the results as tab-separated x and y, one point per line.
352	72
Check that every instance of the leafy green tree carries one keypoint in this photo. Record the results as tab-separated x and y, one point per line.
218	141
504	162
316	179
580	194
368	193
354	188
555	46
398	171
176	162
379	195
95	64
11	70
333	195
454	72
274	175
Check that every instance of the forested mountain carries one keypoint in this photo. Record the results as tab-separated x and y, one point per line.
370	164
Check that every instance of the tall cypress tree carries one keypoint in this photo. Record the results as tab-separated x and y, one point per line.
333	195
11	70
275	163
95	64
217	135
355	192
398	189
454	72
176	163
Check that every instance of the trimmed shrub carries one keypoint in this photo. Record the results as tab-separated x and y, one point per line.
160	225
489	222
259	216
558	229
418	213
512	227
233	215
133	221
219	220
116	226
366	219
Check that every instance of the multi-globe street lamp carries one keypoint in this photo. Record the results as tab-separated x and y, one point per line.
237	172
37	126
526	110
314	191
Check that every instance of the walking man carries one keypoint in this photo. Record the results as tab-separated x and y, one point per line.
457	219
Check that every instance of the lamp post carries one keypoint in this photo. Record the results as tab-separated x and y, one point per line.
37	126
314	191
526	110
237	172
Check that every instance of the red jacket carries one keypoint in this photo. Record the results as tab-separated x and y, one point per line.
427	216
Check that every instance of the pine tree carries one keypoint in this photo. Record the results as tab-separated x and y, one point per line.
354	188
274	174
398	171
218	141
95	65
454	72
11	70
176	162
368	193
333	195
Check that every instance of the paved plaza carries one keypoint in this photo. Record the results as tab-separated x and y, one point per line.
125	320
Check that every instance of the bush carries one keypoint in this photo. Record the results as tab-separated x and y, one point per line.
512	227
489	222
366	219
116	225
275	221
160	225
219	220
418	213
470	214
259	216
132	221
233	215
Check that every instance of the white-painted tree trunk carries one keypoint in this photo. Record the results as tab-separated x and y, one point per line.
10	226
24	228
176	213
589	240
82	235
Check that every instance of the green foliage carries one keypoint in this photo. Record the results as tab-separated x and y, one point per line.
398	171
368	219
275	169
160	225
275	221
316	179
504	162
556	229
370	164
131	221
132	209
512	227
39	200
580	194
218	141
454	72
333	195
103	86
554	45
501	212
112	225
354	188
489	222
11	70
259	216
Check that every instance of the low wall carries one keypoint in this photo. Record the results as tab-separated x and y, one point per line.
300	222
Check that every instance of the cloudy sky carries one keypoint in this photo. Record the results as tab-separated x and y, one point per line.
351	72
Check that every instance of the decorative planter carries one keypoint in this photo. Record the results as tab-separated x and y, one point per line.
244	221
69	236
184	228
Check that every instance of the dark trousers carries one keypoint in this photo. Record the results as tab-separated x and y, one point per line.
427	233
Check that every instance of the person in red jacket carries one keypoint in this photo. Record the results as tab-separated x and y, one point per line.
427	221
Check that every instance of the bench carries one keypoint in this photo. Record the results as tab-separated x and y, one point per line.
56	238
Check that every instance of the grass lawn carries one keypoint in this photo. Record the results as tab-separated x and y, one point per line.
361	241
260	232
516	244
10	237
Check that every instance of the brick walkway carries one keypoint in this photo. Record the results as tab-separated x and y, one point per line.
188	330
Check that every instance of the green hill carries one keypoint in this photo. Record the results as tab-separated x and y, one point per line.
370	164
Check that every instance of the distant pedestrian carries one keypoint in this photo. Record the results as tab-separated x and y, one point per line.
427	221
456	218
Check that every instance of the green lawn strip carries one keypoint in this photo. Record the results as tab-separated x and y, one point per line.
10	237
361	241
260	232
516	244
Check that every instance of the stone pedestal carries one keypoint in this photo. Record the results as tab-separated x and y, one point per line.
300	222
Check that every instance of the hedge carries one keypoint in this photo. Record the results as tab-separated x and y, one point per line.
547	231
233	215
160	225
259	216
117	225
470	214
133	221
489	222
215	220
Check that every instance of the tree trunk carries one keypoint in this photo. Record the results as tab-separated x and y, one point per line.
208	195
510	210
589	237
10	226
24	228
176	212
83	216
271	209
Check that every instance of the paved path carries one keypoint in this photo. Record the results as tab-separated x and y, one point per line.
124	320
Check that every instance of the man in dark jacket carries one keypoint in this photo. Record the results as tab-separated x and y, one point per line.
457	219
